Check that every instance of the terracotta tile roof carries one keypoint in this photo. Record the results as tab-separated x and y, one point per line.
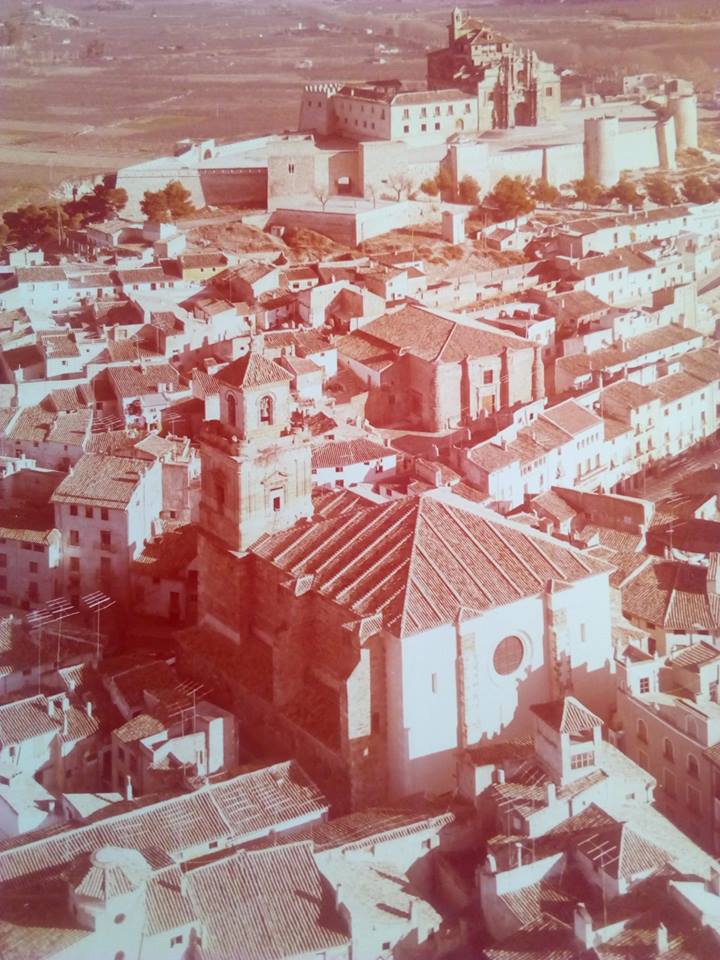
252	371
265	905
136	381
29	524
139	727
342	453
41	274
239	809
621	398
169	555
703	364
571	417
103	481
676	386
429	337
621	853
299	366
24	719
567	716
695	656
68	399
423	561
492	457
672	596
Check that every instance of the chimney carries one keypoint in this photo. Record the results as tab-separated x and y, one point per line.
128	787
582	925
338	894
412	913
519	851
661	940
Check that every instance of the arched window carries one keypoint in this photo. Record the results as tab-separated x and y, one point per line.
668	750
232	409
266	409
642	731
508	655
692	766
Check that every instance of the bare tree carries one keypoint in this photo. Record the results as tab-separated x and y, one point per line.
322	195
372	191
400	183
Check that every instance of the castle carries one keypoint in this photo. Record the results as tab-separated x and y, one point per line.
488	109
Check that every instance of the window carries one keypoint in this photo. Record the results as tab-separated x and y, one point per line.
692	766
33	567
291	168
437	126
578	761
644	684
668	750
74	538
104	513
641	729
277	503
508	655
232	409
174	941
73	510
548	91
266	409
669	783
120	918
105	538
89	512
406	114
406	128
423	127
487	376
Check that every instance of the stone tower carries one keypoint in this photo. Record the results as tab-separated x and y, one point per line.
255	469
256	479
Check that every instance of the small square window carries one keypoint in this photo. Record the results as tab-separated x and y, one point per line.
73	510
644	684
89	512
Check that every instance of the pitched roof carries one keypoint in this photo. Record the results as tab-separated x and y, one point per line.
567	715
428	336
246	806
341	453
265	905
673	596
252	371
423	561
102	481
620	852
139	727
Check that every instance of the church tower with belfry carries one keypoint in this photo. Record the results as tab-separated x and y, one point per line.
256	478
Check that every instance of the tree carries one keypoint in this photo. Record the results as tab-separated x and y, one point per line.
430	187
444	179
154	205
400	183
512	197
697	190
626	193
170	203
322	195
33	225
660	190
178	198
587	190
545	193
468	190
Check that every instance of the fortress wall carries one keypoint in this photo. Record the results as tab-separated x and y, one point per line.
135	182
244	186
378	160
351	227
637	148
340	227
564	162
316	109
516	163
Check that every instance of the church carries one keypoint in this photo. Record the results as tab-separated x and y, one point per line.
374	640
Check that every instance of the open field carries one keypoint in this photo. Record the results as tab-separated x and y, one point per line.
173	69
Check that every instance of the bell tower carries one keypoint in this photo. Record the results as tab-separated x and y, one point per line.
256	473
